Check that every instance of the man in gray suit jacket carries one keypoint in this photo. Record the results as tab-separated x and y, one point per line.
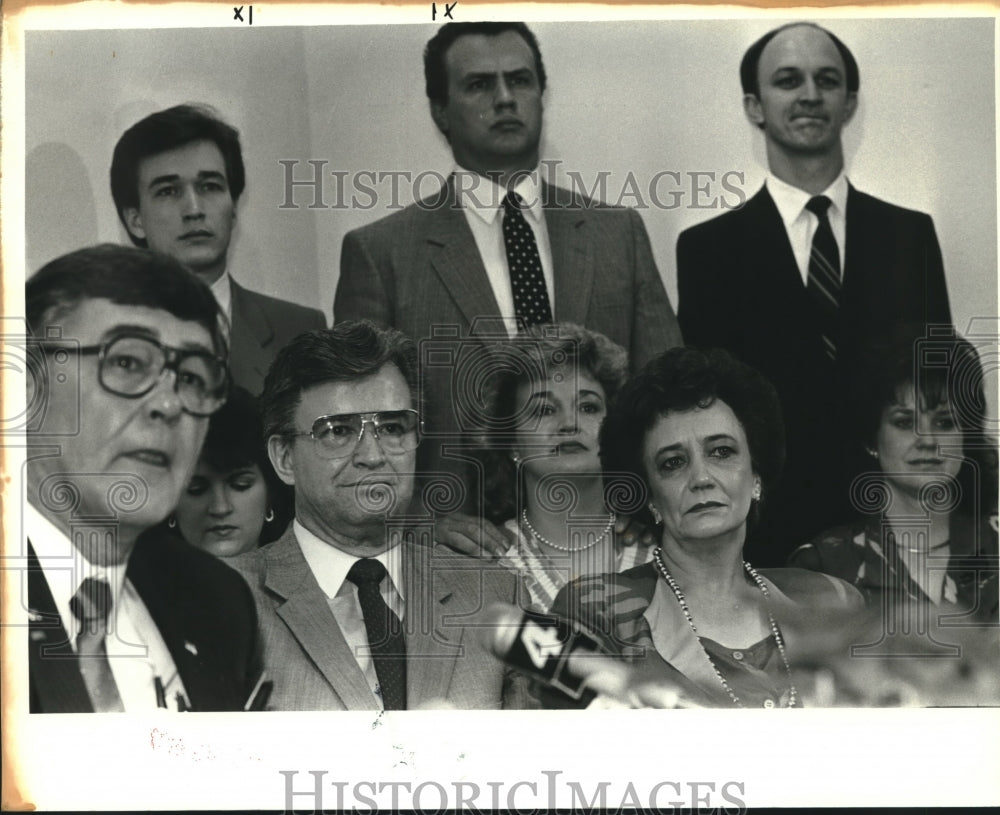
357	610
176	177
440	269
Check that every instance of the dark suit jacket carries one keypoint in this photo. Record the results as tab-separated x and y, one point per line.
740	289
203	611
313	667
419	270
262	325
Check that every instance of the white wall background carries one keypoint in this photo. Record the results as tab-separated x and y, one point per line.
622	98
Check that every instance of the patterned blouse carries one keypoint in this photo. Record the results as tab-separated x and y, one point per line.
866	554
543	575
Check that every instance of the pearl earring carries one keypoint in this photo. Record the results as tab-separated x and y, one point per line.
656	514
755	495
872	453
515	458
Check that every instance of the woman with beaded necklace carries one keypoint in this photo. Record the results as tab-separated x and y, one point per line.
704	433
550	390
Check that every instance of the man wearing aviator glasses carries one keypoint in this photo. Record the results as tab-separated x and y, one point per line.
128	356
355	613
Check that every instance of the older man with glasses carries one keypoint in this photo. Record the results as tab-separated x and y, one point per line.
357	610
126	361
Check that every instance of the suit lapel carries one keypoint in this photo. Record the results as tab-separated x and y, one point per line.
251	332
455	258
768	230
432	649
307	614
858	237
55	681
572	260
156	585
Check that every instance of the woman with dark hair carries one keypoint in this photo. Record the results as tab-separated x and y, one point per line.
704	435
234	501
550	392
926	531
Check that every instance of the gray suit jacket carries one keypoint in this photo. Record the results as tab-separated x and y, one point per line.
313	667
420	268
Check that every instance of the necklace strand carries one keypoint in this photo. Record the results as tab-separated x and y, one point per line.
775	631
561	547
928	550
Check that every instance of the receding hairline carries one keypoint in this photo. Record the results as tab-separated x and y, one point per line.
802	24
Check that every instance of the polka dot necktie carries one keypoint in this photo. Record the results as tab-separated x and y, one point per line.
531	297
823	283
91	605
385	633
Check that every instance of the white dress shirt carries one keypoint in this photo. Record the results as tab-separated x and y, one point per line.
223	291
330	566
481	200
800	223
137	653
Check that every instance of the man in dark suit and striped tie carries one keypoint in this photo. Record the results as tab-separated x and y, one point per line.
802	277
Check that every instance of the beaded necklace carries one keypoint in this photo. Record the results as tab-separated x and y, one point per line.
775	631
560	547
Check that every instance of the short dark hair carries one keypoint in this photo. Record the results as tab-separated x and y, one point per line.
125	276
749	73
944	368
349	351
683	379
435	72
167	130
525	358
235	439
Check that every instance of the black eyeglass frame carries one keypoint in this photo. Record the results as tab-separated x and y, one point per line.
368	418
172	358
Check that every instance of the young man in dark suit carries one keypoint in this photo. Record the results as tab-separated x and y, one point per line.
497	248
176	177
799	280
129	352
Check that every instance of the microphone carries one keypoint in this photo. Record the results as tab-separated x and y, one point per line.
566	658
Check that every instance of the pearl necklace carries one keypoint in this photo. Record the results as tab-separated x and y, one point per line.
775	631
561	547
928	550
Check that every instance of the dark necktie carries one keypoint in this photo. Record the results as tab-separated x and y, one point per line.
824	275
91	605
385	633
531	297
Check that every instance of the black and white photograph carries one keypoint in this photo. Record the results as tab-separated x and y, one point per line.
463	407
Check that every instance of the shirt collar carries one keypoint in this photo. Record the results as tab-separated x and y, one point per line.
484	196
223	291
791	201
330	565
64	565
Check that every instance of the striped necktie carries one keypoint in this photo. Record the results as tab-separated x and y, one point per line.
823	284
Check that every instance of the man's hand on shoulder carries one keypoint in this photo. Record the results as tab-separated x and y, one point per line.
470	535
